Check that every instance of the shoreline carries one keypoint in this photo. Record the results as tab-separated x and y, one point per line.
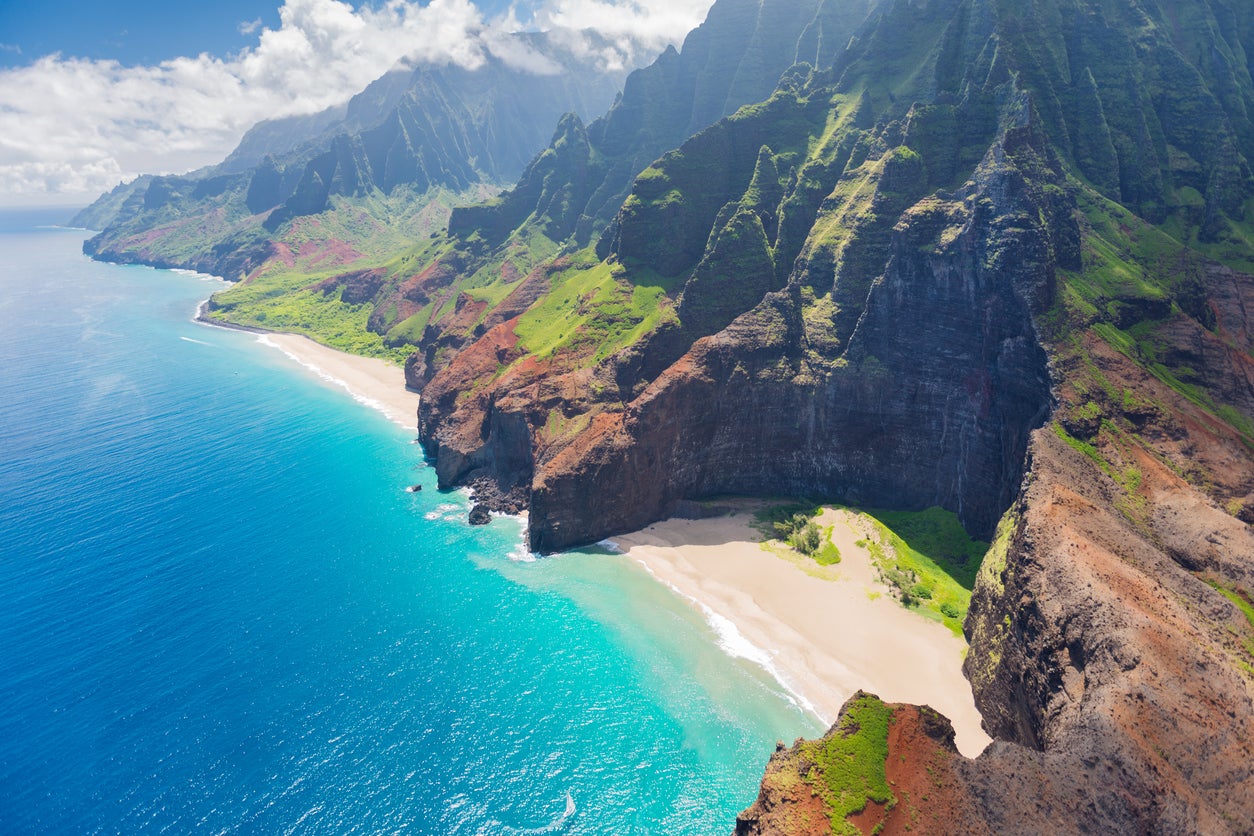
370	381
822	632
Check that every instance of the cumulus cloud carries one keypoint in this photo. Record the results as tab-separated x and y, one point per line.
72	128
628	25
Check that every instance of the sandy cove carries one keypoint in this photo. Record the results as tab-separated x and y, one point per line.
828	630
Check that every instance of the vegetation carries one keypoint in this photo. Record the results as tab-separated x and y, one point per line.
794	525
594	309
929	561
800	532
849	761
1238	597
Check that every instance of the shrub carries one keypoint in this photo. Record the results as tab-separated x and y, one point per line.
807	539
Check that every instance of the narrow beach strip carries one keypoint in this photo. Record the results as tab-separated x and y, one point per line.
373	382
827	630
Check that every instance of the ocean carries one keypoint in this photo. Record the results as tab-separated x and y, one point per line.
220	609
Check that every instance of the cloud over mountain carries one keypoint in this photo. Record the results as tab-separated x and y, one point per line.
71	128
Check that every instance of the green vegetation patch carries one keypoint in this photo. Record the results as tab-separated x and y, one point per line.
938	536
596	310
1241	601
794	525
322	318
929	560
848	764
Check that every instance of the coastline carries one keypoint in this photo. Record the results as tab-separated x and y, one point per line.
370	381
822	631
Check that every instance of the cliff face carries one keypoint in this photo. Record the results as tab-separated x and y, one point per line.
981	272
927	401
842	324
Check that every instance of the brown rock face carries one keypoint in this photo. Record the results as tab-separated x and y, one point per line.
922	769
1116	677
1112	664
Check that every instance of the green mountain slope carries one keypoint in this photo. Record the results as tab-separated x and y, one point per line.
986	255
425	133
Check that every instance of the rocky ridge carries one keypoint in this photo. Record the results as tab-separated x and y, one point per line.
937	293
416	133
974	253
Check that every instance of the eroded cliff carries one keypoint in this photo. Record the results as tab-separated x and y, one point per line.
985	273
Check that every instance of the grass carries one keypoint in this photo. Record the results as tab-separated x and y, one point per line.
1236	597
594	309
936	535
929	560
849	762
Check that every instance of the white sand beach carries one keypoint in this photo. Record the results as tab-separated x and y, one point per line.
373	382
827	630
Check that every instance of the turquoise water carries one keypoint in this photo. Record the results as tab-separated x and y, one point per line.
219	608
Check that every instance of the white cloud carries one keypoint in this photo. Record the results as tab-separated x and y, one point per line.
652	24
71	126
249	26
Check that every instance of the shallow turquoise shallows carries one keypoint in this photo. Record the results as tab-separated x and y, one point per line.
220	610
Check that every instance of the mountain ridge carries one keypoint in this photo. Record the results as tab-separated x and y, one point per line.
984	256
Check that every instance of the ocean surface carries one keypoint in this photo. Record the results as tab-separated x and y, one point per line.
220	609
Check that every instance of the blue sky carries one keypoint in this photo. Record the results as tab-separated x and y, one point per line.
97	92
137	32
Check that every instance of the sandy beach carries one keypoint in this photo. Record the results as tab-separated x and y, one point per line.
826	630
373	382
823	631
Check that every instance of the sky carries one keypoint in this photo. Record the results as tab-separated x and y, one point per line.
93	94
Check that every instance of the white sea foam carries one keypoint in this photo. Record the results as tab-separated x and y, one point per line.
554	826
372	403
732	642
196	274
198	342
611	546
520	552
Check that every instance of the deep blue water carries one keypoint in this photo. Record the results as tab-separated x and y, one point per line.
219	609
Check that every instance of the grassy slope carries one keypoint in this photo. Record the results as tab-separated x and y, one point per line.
398	234
849	762
925	557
